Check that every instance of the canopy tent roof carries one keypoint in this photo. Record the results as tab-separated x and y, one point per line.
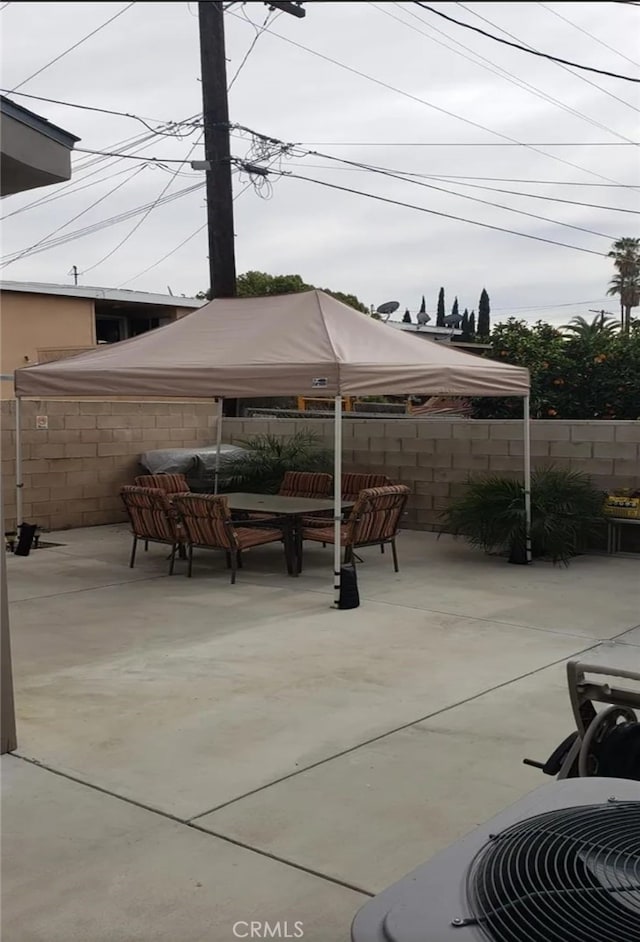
294	344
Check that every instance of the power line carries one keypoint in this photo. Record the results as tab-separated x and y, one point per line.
29	250
57	196
547	307
180	244
5	5
553	199
432	212
494	68
607	186
590	35
423	101
117	114
578	75
532	52
475	199
158	201
471	143
259	31
71	48
166	256
417	178
114	220
408	175
140	141
106	153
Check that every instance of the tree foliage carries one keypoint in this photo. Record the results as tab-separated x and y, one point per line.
423	306
586	372
484	316
466	337
440	313
455	308
257	284
407	317
626	281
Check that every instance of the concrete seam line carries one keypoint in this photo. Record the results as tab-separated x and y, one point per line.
193	827
93	588
625	632
390	732
437	611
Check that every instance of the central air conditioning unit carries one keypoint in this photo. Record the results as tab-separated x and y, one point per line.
560	865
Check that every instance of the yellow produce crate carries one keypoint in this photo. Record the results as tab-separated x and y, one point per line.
617	505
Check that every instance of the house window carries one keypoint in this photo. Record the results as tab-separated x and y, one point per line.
111	329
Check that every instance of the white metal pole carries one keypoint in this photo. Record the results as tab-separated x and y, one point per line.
337	498
218	444
8	741
527	478
19	482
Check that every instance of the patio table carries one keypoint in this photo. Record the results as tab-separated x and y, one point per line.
290	509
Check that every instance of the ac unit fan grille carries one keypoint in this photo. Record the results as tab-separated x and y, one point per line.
571	875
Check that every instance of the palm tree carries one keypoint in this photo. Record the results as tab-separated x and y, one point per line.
626	282
587	331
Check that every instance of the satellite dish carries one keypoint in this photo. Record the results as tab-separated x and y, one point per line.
423	318
389	307
453	320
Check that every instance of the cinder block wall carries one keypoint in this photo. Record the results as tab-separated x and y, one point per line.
434	457
73	470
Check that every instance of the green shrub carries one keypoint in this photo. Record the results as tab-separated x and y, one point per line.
268	458
566	512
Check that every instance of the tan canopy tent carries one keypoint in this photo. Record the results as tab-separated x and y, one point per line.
293	344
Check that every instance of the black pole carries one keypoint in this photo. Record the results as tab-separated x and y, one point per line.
215	110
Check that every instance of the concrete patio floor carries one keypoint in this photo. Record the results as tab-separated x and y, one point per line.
194	755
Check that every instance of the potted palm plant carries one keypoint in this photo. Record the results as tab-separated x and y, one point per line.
566	513
261	468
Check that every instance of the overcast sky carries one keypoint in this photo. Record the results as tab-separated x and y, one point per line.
146	63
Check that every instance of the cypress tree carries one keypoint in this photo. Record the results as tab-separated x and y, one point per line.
465	326
440	314
407	317
484	316
472	325
423	306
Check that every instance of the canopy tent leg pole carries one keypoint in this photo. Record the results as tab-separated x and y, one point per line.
218	444
527	478
337	499
8	739
19	483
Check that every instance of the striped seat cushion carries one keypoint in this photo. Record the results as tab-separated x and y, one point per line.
374	518
151	514
306	484
325	534
169	483
353	483
207	522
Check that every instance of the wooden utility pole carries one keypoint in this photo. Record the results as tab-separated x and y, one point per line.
215	111
217	151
